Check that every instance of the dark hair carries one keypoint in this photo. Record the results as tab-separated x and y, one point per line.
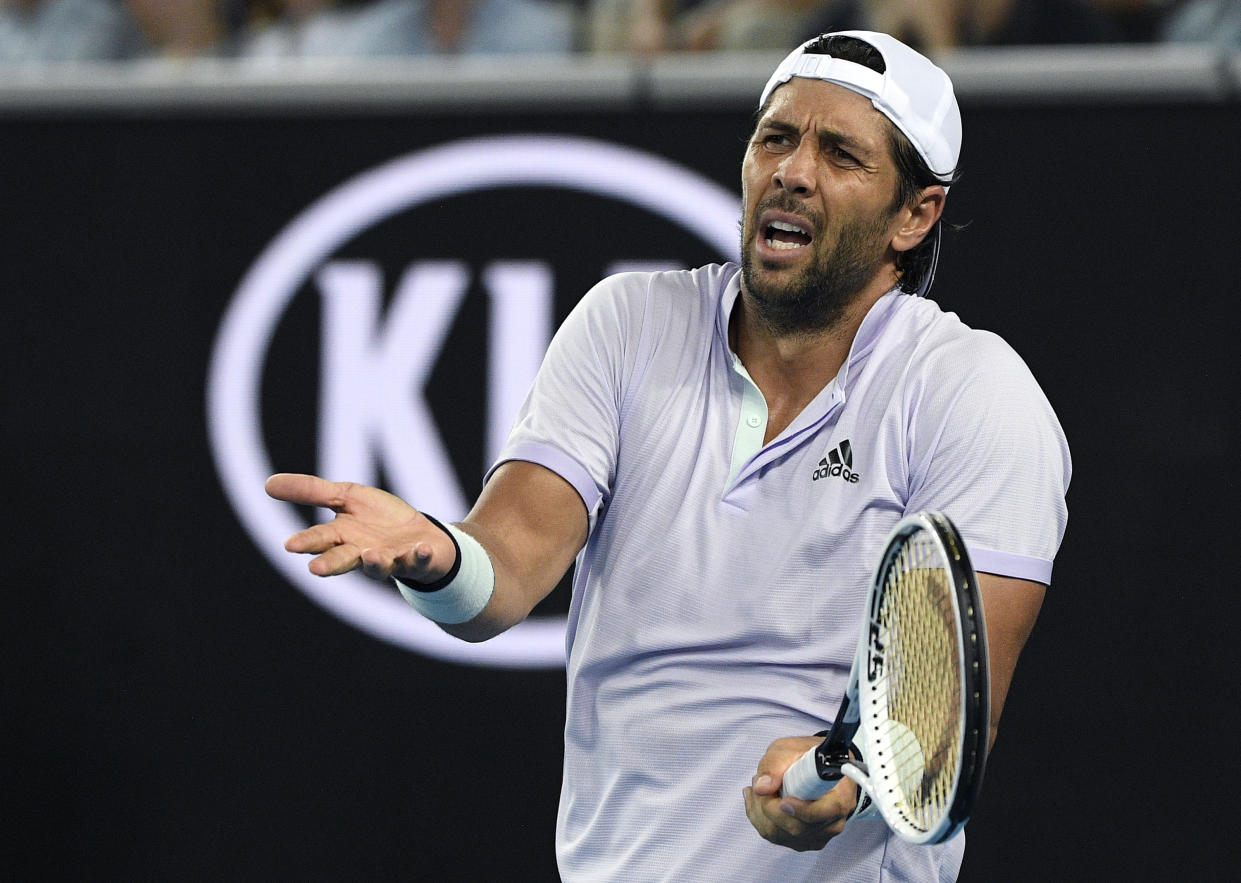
912	172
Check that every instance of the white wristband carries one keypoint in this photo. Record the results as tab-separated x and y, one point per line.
467	591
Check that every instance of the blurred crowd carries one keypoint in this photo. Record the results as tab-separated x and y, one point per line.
254	31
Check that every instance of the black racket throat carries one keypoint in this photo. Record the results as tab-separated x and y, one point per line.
834	752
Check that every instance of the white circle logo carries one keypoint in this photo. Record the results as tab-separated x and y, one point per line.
695	204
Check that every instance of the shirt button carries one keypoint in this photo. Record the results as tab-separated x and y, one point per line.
754	421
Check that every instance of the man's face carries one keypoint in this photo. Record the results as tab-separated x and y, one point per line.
818	182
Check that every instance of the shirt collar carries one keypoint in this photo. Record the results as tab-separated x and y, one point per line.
868	333
728	297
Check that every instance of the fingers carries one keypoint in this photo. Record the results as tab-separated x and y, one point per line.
338	553
373	531
765	785
376	563
410	564
798	824
371	505
337	560
343	544
316	539
308	490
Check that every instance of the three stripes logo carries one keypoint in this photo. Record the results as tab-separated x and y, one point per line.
838	464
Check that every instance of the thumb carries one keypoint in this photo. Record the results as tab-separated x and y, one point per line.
766	784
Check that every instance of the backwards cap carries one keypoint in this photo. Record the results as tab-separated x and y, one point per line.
913	93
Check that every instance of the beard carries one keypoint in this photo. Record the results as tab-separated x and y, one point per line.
816	299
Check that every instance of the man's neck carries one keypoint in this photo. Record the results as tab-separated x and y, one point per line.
791	369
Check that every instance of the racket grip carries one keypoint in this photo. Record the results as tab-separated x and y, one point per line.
802	778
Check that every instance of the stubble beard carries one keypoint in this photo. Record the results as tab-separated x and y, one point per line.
815	300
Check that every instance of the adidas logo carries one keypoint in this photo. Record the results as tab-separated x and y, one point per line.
838	464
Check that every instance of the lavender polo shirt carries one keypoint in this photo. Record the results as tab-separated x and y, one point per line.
717	601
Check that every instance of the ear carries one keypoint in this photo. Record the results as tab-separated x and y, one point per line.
918	218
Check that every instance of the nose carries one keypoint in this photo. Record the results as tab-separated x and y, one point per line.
796	172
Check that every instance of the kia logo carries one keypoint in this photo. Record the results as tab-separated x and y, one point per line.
375	361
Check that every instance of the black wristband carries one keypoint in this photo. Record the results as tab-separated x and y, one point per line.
452	571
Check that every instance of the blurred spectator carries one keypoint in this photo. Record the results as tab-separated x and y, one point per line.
371	28
179	28
651	26
34	31
285	29
767	24
939	25
1217	22
646	27
1136	21
641	26
492	26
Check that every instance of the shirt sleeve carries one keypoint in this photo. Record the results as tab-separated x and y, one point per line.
986	448
570	420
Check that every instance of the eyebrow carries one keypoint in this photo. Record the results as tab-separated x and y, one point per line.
828	136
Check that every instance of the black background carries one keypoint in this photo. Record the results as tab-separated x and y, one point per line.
174	709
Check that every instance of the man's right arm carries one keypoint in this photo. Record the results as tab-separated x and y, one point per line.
529	521
532	524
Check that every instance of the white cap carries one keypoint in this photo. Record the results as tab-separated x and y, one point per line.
913	93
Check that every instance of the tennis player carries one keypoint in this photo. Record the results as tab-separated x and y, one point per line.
723	451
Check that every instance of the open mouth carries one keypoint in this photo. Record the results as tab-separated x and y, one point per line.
783	235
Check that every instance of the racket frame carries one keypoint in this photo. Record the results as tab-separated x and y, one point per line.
832	759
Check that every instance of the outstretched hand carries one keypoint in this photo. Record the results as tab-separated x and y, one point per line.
373	530
787	821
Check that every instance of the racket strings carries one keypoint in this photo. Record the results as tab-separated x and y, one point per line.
921	687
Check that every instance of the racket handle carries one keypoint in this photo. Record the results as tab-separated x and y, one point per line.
802	778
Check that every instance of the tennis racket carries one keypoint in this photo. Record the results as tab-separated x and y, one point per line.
917	710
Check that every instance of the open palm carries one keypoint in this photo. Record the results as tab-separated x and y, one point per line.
373	530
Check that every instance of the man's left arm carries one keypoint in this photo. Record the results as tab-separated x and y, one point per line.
986	449
1010	606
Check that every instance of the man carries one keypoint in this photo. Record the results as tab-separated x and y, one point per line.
681	441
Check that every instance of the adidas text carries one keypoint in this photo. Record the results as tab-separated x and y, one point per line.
837	471
838	464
